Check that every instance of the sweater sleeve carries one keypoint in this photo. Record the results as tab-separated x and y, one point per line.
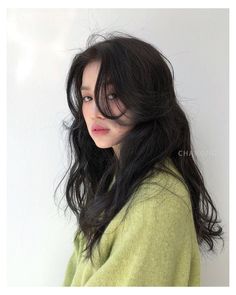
70	271
152	247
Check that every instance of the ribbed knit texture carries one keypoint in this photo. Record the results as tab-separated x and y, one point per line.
155	245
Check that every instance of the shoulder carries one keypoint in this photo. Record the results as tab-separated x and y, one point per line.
163	186
161	199
164	221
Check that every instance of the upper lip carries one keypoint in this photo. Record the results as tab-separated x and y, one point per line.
98	127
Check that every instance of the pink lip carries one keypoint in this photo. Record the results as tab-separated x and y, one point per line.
97	127
100	132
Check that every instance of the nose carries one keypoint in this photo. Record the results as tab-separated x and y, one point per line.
95	113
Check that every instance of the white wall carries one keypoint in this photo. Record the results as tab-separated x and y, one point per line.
41	44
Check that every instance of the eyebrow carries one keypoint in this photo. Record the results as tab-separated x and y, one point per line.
83	87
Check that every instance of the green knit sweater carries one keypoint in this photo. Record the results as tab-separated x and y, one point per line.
155	244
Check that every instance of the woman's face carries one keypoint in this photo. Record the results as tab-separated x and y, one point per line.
113	137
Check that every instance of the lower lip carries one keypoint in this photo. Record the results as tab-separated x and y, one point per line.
100	132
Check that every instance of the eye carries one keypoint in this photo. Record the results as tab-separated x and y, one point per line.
112	96
86	97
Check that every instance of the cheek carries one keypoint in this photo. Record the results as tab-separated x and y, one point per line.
117	108
84	111
123	130
85	114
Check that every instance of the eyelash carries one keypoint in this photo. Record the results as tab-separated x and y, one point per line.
83	97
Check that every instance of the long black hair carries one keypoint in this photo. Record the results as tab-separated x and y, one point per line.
143	79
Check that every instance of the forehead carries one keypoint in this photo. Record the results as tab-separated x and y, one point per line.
90	75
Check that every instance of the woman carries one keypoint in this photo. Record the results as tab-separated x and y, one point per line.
140	201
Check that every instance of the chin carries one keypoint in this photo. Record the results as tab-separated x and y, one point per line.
103	145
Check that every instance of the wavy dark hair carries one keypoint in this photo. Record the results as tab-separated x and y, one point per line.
143	79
